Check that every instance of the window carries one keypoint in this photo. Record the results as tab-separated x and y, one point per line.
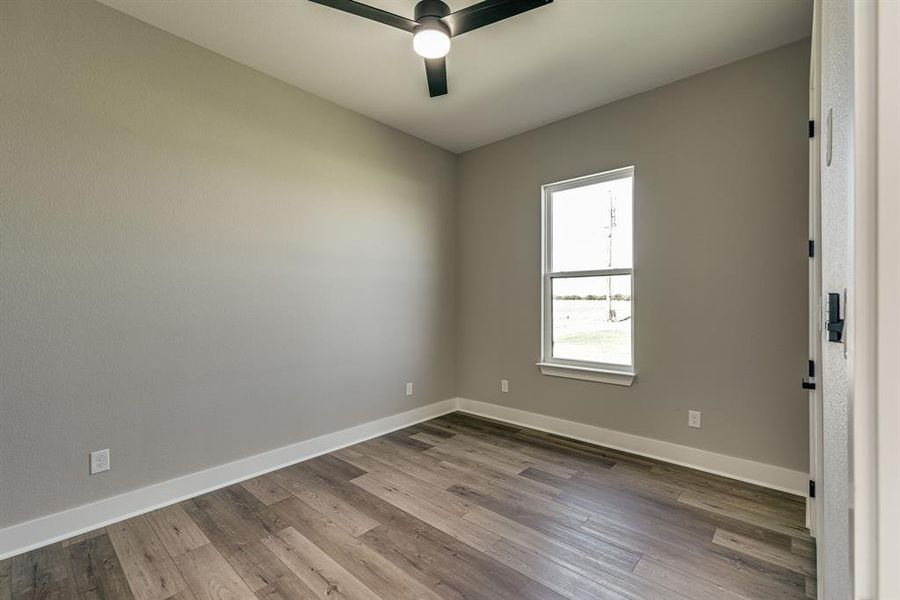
588	278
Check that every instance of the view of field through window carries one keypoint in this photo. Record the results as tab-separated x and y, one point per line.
591	313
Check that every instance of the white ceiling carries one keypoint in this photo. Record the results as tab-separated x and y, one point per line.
504	79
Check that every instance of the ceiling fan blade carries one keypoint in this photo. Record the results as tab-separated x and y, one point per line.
436	71
487	12
370	12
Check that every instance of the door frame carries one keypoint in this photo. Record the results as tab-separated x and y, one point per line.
875	377
862	326
888	291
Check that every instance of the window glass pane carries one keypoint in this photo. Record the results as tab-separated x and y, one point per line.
592	226
592	319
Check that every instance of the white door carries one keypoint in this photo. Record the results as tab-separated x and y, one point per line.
814	512
836	166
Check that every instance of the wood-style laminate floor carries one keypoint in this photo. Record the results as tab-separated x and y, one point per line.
457	507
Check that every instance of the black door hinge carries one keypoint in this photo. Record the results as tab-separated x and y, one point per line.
809	382
812	129
812	488
812	248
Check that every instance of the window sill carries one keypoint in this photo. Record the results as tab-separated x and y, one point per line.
587	373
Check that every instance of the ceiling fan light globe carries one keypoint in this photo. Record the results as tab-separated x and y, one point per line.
431	43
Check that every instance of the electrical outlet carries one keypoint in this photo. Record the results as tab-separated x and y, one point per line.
504	385
99	461
409	389
694	418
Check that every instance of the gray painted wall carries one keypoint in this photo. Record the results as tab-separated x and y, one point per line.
199	263
720	288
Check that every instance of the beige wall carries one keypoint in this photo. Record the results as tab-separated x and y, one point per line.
720	284
199	263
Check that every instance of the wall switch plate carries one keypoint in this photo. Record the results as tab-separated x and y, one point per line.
409	389
99	461
694	418
504	385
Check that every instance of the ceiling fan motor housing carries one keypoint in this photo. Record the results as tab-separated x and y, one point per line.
431	8
428	15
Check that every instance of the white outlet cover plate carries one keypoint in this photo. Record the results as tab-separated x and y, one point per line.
504	385
694	418
409	389
99	461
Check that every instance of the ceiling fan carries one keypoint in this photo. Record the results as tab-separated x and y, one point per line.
434	25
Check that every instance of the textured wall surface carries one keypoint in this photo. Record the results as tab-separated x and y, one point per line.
199	263
720	260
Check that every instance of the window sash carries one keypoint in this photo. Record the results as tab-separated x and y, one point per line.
549	276
547	350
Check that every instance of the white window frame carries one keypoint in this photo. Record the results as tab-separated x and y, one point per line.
562	367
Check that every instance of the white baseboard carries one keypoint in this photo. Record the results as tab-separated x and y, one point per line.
777	478
62	525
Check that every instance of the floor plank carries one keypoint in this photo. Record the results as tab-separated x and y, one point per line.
256	564
366	564
266	489
148	567
740	513
678	581
298	483
210	577
96	569
233	528
765	552
435	515
515	460
42	573
175	529
318	571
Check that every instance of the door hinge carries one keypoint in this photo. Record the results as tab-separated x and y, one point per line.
812	488
809	382
812	129
812	248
